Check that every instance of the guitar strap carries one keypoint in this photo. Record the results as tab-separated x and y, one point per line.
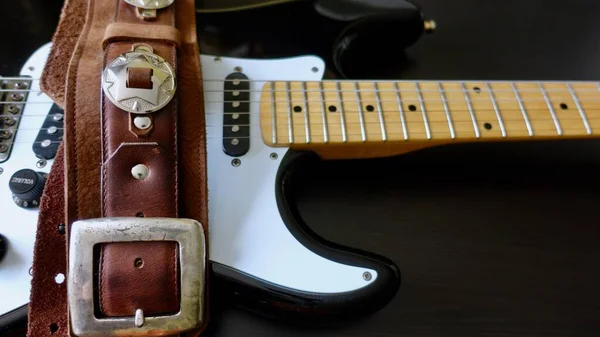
124	213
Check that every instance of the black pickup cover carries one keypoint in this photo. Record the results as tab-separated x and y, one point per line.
236	91
51	131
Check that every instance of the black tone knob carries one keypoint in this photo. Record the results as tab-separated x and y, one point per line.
2	247
27	187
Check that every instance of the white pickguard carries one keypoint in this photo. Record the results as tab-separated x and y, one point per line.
246	229
18	225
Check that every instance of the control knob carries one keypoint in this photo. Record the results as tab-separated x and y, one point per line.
27	187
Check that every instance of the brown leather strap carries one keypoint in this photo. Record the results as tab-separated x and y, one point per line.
83	150
124	284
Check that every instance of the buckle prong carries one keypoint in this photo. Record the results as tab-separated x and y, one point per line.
139	318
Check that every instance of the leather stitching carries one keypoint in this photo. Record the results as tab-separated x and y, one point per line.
175	148
102	280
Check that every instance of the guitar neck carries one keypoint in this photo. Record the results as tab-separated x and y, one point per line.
305	114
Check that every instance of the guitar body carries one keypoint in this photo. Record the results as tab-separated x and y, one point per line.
346	34
19	224
259	239
263	254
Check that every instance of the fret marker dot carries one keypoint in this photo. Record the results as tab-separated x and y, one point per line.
236	93
332	108
487	126
370	108
564	106
236	104
412	108
297	108
235	115
477	89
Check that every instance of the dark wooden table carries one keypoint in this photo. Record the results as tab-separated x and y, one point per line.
492	240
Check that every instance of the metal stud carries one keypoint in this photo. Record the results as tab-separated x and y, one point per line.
140	172
142	123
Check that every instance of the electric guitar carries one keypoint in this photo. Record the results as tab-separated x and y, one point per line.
264	119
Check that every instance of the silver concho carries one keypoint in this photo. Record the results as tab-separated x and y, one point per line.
150	4
134	100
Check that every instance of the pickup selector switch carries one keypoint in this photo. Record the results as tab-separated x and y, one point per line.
27	187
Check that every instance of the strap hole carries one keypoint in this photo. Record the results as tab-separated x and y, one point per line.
140	214
53	328
59	278
138	263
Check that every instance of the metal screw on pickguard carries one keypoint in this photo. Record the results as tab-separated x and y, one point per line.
218	59
31	68
273	155
41	163
315	69
30	271
238	69
367	276
236	162
1	170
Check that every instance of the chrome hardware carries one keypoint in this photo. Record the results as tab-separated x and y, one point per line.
192	253
147	8
136	100
150	4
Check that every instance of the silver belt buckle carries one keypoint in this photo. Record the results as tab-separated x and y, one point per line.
80	285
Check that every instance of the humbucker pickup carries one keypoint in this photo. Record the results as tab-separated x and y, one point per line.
13	95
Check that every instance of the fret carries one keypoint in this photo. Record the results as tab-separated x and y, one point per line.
422	105
323	114
471	112
447	111
380	112
551	109
289	113
523	110
273	114
496	110
306	119
361	117
584	118
342	112
401	111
